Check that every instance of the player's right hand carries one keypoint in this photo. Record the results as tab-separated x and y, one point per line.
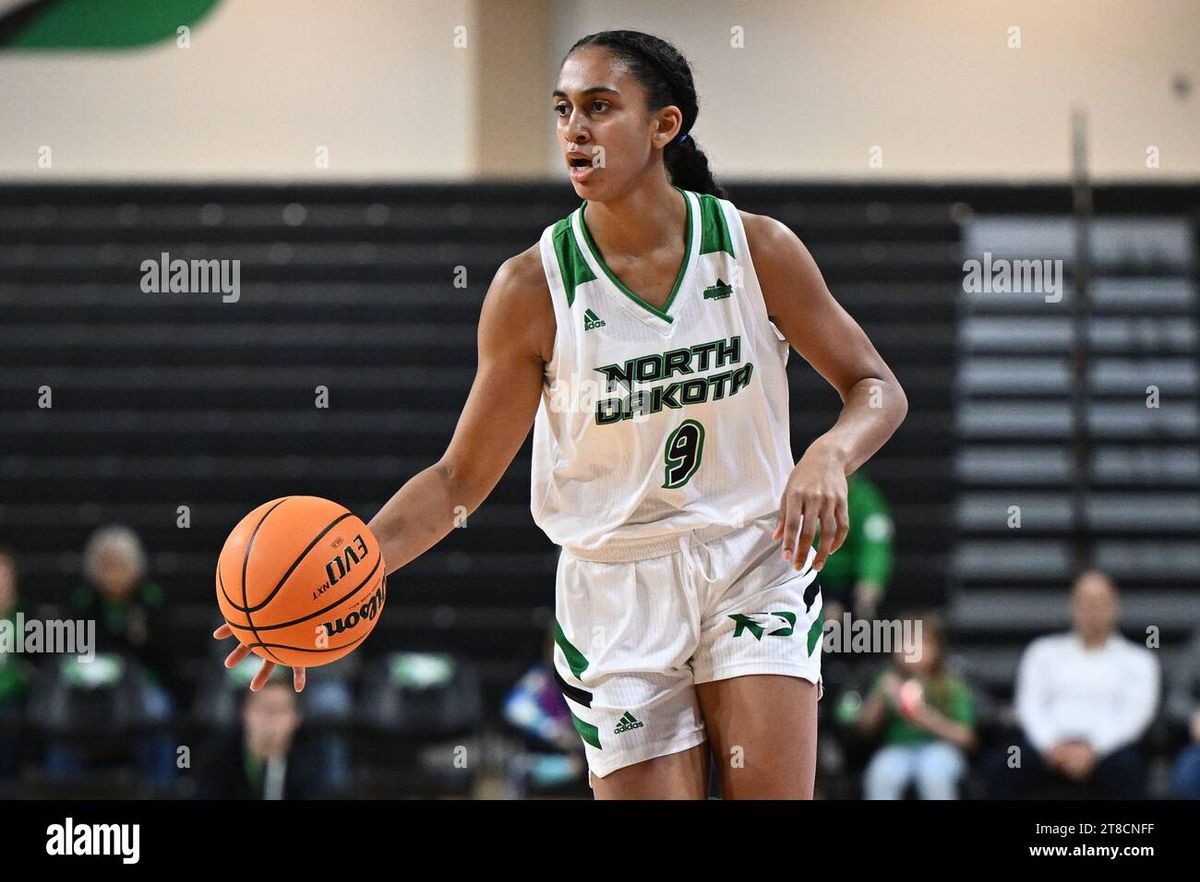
260	679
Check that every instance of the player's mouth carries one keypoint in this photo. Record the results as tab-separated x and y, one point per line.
581	166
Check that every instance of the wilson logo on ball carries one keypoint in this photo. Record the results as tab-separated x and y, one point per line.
295	571
365	613
342	564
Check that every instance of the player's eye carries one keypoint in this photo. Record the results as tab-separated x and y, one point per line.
597	106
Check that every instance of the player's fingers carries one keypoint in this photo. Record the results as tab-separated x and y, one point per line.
825	546
781	523
260	679
222	632
235	658
791	528
843	523
808	528
298	679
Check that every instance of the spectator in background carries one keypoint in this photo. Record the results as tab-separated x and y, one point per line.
535	706
927	714
1183	709
261	759
128	606
1083	700
857	574
14	682
128	610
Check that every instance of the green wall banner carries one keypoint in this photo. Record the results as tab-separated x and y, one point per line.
95	24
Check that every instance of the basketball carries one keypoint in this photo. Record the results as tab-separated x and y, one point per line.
301	581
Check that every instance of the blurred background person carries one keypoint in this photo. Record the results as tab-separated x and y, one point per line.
856	576
552	753
14	676
263	757
927	716
1083	700
128	608
1183	710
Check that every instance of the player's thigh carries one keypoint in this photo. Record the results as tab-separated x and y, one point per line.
624	635
763	730
682	775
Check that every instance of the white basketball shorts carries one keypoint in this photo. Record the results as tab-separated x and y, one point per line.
634	637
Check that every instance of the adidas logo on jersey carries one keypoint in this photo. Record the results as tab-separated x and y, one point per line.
591	320
719	291
628	721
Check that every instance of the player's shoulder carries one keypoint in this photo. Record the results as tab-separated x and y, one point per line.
522	277
763	232
518	300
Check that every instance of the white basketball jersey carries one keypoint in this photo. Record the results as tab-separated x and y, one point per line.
654	422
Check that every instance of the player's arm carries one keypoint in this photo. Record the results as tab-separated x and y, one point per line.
873	403
516	336
515	339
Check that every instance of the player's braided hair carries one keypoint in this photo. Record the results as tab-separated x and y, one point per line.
667	78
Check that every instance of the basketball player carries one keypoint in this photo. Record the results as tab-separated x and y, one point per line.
645	338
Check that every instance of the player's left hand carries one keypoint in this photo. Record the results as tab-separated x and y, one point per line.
260	679
816	494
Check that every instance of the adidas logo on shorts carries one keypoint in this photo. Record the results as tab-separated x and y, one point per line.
628	721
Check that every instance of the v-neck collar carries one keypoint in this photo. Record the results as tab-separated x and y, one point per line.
594	252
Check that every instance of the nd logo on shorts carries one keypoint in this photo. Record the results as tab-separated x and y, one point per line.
753	623
781	623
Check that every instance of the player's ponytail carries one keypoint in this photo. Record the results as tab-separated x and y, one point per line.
688	167
667	78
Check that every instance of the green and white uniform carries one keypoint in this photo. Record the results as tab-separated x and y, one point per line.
660	453
655	422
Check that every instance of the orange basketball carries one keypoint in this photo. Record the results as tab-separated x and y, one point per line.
301	581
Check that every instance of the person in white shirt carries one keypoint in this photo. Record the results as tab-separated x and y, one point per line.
1183	710
1083	700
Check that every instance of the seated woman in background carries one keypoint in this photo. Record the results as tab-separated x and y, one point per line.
927	716
128	607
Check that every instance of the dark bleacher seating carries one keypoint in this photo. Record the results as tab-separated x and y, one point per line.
169	400
97	710
419	716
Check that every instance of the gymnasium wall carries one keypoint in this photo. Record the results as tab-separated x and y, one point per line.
932	83
865	91
262	87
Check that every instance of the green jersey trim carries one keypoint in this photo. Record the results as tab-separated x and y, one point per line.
663	313
714	230
572	266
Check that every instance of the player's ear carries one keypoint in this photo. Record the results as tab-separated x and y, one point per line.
669	121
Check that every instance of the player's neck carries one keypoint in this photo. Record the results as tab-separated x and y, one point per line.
642	220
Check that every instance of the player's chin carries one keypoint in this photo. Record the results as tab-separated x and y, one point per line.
583	179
